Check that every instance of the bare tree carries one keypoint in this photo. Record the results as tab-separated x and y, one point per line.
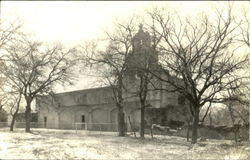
10	101
141	86
141	90
15	106
112	63
8	34
143	59
238	106
12	89
199	60
245	28
233	106
245	39
37	68
143	94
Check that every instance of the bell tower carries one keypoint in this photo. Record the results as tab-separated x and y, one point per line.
142	55
141	41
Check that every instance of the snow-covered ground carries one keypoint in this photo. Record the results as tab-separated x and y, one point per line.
67	144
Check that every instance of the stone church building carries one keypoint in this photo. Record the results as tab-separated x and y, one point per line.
94	109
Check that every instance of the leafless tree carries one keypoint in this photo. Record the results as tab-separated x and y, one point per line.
245	28
141	86
10	101
8	33
12	91
110	63
143	59
36	67
245	39
238	106
15	102
198	59
141	90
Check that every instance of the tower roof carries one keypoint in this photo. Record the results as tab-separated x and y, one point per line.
142	35
141	26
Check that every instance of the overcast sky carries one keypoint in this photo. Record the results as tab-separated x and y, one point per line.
73	22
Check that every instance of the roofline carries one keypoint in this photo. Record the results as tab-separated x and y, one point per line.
80	90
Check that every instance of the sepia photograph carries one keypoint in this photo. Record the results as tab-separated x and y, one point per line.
124	80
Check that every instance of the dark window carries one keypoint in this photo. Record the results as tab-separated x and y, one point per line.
45	121
83	121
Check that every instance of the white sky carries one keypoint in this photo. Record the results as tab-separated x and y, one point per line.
74	22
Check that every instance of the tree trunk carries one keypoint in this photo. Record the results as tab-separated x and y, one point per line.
233	121
151	132
195	125
27	117
188	129
121	117
13	121
15	113
143	97
235	136
121	122
210	119
142	120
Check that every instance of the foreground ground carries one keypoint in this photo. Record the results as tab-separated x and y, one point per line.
66	144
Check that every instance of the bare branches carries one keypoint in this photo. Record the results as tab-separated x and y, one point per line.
111	59
245	29
37	68
198	58
200	55
9	34
31	68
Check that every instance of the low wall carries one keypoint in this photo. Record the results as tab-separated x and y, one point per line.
32	125
3	124
219	132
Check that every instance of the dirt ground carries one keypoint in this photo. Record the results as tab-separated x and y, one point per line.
67	144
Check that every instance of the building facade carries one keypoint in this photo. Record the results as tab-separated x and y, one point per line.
94	109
